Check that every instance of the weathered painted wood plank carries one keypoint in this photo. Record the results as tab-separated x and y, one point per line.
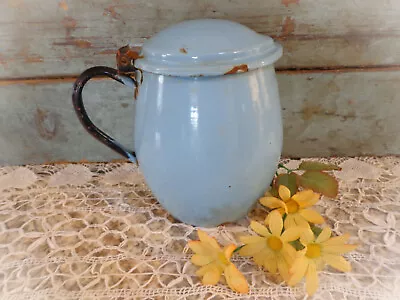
38	124
48	37
341	114
328	53
324	114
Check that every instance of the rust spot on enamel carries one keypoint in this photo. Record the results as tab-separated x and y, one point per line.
125	59
183	50
238	69
130	52
134	55
136	93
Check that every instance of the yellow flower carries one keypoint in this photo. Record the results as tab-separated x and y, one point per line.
295	207
271	249
317	253
215	261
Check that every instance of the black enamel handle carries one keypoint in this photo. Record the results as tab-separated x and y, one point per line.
81	111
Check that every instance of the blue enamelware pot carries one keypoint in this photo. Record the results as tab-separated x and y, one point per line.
208	129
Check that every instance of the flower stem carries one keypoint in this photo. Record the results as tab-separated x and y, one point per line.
238	248
287	169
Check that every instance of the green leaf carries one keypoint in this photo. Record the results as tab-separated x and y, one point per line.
274	191
319	182
238	248
297	245
288	180
318	166
316	230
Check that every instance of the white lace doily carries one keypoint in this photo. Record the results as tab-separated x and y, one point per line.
94	231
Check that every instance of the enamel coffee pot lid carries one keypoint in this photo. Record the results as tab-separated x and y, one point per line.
207	47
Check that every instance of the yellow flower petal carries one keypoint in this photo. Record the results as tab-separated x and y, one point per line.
201	260
337	240
204	237
302	196
199	247
310	202
338	249
250	239
212	276
260	229
272	202
306	198
324	235
228	251
298	270
311	216
282	210
289	222
337	262
283	269
311	279
289	253
319	262
266	220
300	221
204	269
236	281
306	236
284	193
252	249
279	210
291	234
270	264
275	223
259	258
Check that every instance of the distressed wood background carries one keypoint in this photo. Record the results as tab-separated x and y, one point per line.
339	76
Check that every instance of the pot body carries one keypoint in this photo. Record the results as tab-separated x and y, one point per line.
208	147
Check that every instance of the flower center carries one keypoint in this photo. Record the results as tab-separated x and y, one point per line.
222	258
313	250
292	206
274	243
